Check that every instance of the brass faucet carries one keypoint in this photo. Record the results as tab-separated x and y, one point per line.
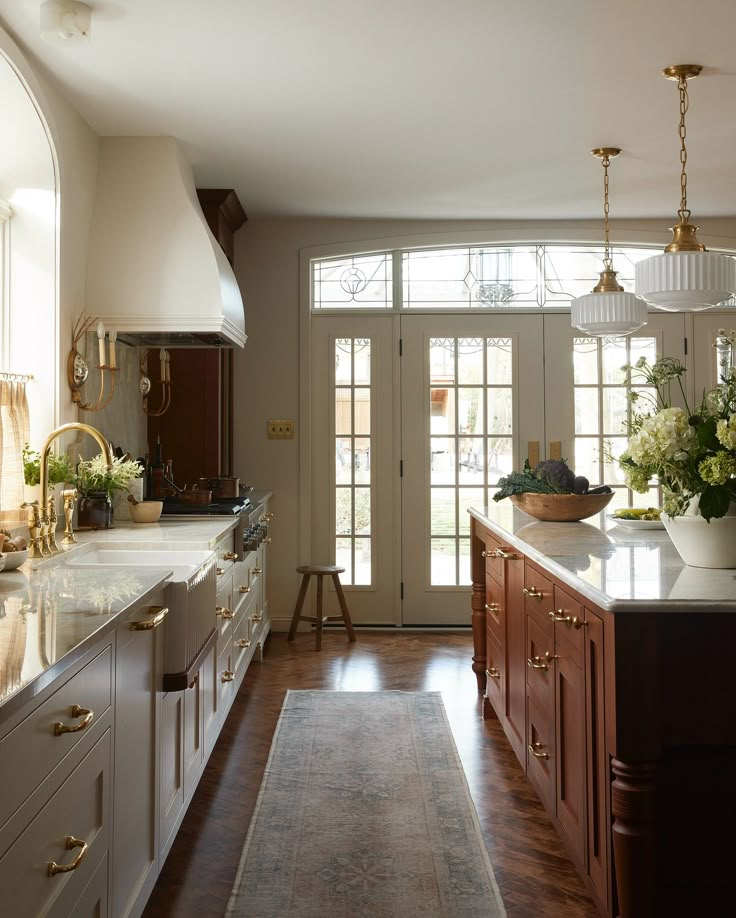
42	514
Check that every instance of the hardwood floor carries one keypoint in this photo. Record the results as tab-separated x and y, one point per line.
534	874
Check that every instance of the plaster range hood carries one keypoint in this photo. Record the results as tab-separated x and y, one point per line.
156	273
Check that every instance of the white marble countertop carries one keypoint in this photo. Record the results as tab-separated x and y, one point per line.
618	569
50	612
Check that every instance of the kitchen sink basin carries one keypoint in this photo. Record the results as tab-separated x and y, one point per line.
182	563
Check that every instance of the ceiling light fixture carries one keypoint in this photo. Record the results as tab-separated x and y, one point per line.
609	311
685	276
65	20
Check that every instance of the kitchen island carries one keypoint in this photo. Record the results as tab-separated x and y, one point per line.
606	660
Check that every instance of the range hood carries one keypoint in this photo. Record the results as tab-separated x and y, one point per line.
156	273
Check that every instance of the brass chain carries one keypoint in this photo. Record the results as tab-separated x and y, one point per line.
683	212
607	261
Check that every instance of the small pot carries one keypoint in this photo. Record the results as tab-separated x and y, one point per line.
196	496
222	486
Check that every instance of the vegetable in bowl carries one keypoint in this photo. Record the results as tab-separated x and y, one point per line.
637	513
551	476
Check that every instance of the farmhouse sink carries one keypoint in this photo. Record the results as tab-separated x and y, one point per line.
182	563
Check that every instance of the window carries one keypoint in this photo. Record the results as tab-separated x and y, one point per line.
363	281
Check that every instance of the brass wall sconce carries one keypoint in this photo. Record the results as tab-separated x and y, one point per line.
77	369
146	384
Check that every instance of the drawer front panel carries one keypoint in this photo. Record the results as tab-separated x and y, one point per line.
226	554
540	666
225	670
494	564
494	611
80	810
241	642
540	735
570	630
494	675
225	607
93	901
538	596
32	750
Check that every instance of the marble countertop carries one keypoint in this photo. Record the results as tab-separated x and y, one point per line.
618	569
50	612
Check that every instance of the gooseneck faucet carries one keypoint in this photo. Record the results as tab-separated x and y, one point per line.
42	521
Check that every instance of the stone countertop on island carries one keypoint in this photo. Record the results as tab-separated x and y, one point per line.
618	569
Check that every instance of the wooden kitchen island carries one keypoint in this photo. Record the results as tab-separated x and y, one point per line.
610	666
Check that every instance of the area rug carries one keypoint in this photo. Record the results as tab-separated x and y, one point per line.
364	812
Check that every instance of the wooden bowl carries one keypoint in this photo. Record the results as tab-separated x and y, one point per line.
561	508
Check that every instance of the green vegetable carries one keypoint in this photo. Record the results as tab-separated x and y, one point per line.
558	475
525	482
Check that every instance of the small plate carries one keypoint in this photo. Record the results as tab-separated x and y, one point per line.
636	524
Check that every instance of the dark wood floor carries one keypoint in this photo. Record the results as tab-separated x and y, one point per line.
534	874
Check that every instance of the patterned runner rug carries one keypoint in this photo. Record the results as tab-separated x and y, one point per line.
364	812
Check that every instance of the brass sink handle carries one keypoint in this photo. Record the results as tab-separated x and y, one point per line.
534	749
87	715
572	621
533	592
70	842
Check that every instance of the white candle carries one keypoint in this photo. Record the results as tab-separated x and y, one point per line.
113	339
101	342
168	367
162	358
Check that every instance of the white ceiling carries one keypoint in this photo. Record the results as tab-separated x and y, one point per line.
415	108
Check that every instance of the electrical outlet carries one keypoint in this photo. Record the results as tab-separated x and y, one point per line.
280	430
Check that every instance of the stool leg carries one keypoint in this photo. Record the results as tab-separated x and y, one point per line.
343	607
319	612
298	608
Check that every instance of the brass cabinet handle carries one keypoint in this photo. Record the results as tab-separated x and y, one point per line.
493	607
159	613
195	680
70	842
228	676
485	554
493	673
268	540
243	588
532	592
87	715
542	662
230	556
534	749
267	517
256	617
225	613
257	570
505	555
242	643
220	571
572	621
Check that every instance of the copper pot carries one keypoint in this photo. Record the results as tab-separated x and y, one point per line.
222	486
196	496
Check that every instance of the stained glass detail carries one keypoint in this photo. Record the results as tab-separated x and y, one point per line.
357	281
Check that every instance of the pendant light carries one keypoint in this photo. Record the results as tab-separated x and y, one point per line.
609	311
685	276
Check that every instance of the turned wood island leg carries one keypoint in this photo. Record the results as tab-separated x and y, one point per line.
633	802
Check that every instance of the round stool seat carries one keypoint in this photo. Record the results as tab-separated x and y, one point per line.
320	569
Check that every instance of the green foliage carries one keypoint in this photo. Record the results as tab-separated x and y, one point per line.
527	481
60	468
95	475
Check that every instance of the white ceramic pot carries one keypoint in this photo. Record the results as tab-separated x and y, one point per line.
703	544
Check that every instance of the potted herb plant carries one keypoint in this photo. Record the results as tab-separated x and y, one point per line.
96	484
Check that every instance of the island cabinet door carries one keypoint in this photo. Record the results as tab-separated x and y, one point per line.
570	745
515	650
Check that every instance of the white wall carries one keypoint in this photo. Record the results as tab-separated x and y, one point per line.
267	257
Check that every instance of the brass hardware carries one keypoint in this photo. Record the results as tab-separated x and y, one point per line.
220	571
484	554
542	662
243	588
145	385
70	842
159	613
572	621
493	607
53	520
194	681
607	282
533	592
225	613
493	673
87	715
34	528
257	570
242	643
43	466
534	747
230	556
256	617
77	370
68	497
268	540
228	676
505	555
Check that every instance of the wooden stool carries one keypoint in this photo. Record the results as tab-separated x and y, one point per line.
320	571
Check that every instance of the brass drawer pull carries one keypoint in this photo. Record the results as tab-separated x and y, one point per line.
493	607
572	621
506	555
228	676
70	842
486	554
159	613
268	540
257	571
532	592
220	571
243	588
542	662
256	617
87	716
225	613
242	643
230	556
534	749
493	673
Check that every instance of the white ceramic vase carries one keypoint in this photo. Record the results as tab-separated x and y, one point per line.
701	543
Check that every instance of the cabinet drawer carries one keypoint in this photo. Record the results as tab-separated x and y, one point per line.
225	671
80	809
226	555
494	611
494	674
225	607
540	735
571	628
30	752
93	901
538	596
243	578
494	564
241	640
540	663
